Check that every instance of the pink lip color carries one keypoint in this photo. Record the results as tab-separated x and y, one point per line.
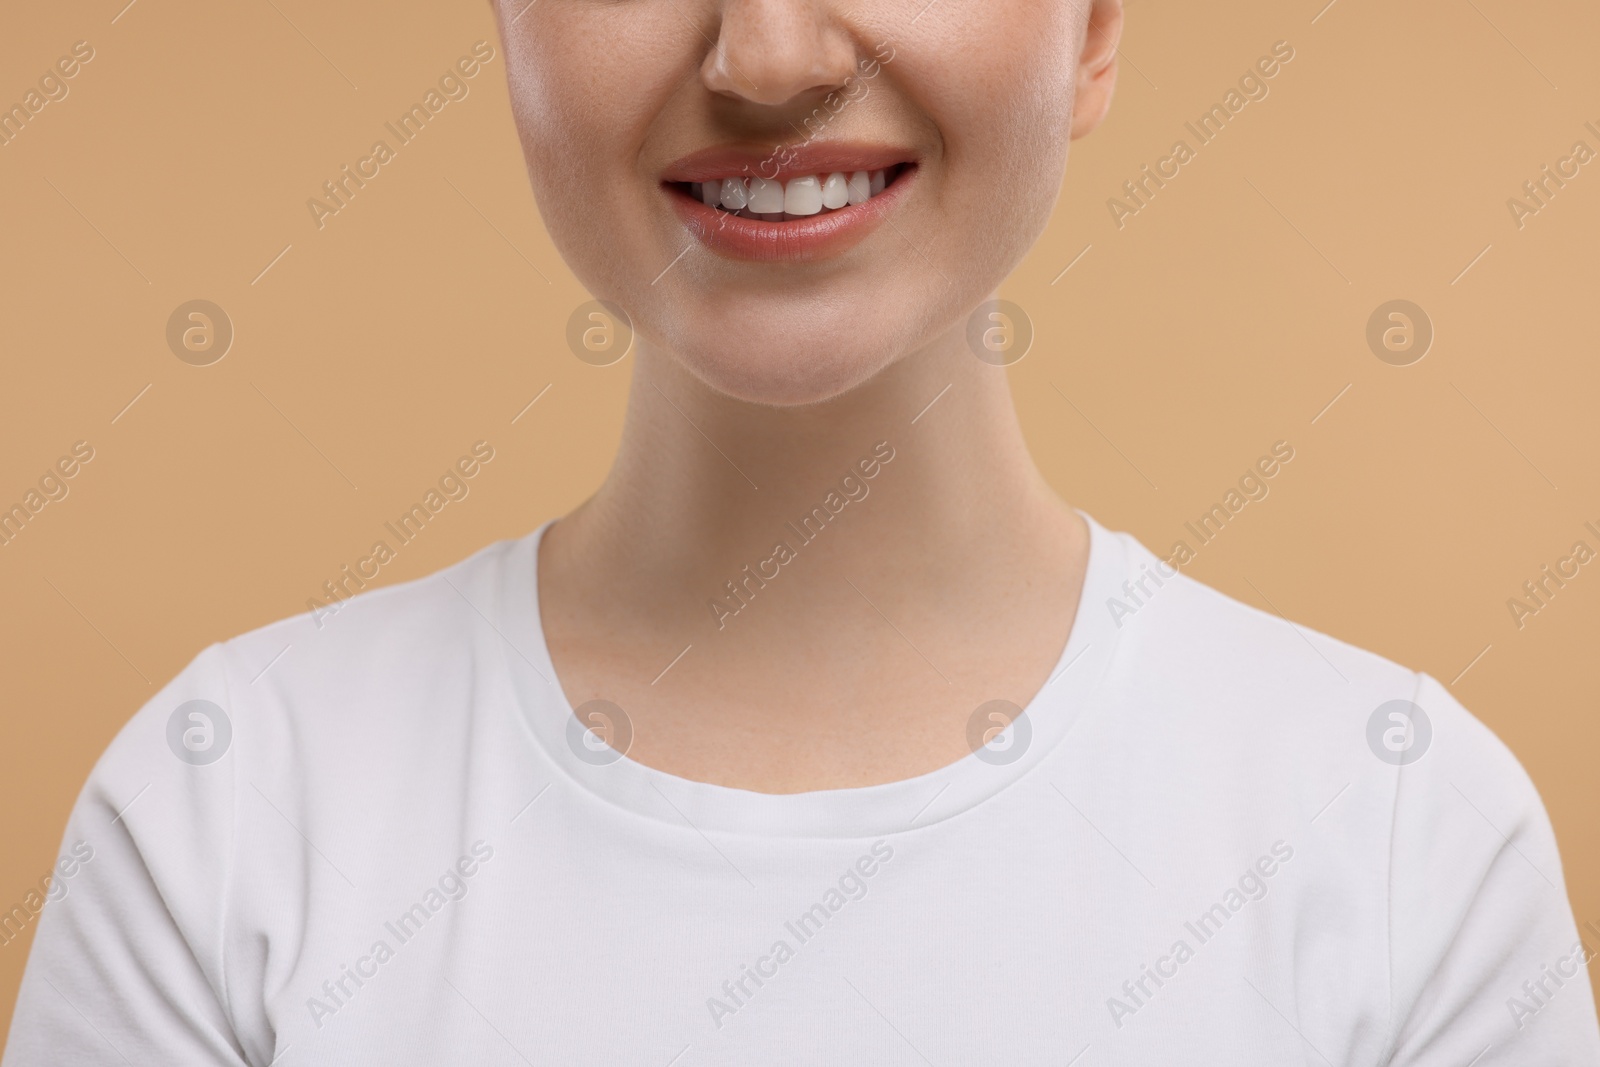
820	236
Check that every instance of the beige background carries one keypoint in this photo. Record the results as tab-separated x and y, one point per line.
1225	316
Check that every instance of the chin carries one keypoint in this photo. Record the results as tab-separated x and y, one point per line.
789	360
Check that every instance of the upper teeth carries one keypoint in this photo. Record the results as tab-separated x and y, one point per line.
798	197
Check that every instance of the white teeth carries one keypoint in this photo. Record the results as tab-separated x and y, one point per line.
766	196
803	196
860	190
835	191
799	197
734	194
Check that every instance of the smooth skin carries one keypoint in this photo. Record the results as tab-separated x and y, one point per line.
758	385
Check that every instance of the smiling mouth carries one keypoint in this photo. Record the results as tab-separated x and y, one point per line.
794	199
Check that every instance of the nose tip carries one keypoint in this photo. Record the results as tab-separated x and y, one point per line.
771	52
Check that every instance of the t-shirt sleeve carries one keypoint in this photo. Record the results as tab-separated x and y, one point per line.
1486	963
126	964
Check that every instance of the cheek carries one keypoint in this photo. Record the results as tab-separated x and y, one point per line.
1000	88
559	101
588	85
577	93
1019	57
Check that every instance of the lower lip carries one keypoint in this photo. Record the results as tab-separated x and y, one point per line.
821	236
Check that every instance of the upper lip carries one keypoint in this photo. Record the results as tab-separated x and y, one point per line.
781	162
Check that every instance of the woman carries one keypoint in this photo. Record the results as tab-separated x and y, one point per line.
731	765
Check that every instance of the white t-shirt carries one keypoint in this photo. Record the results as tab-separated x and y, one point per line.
1210	839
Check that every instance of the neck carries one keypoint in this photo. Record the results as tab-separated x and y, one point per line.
704	484
818	597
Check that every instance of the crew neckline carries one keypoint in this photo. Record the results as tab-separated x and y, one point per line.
855	812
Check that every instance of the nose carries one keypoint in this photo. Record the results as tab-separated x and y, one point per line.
772	52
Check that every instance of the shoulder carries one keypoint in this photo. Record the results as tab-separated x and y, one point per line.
314	755
377	676
1158	610
359	636
1269	712
1421	845
1258	666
